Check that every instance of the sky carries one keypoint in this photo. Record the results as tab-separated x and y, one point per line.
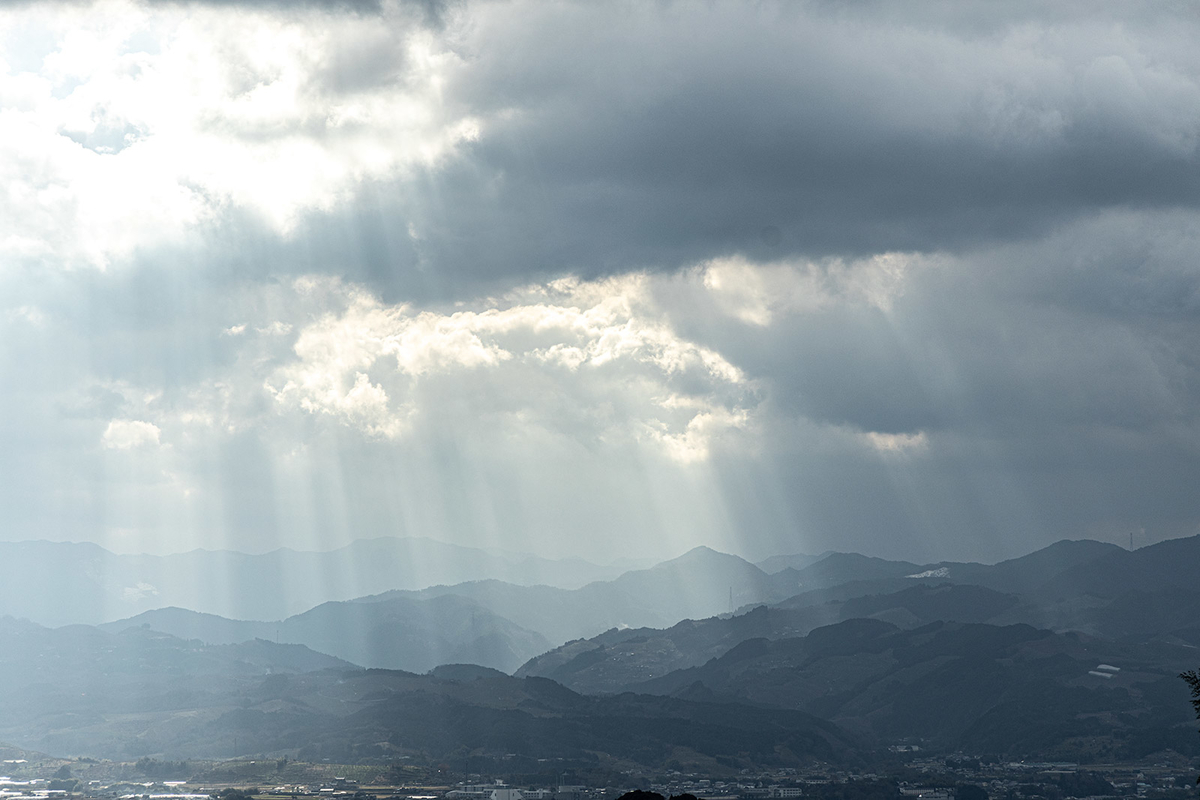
600	280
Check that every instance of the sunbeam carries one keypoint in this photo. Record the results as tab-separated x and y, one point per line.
512	400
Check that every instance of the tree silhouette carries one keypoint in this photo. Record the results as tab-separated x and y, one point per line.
1192	678
638	794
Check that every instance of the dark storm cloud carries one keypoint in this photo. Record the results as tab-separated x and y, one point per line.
659	137
626	137
1095	326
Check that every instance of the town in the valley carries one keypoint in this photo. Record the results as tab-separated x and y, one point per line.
908	774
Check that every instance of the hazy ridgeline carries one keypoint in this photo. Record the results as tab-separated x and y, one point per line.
839	654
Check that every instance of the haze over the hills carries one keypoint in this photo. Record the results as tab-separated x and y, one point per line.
1085	586
59	583
514	620
621	381
1070	652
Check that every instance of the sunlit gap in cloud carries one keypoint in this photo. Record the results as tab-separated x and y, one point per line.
566	373
130	132
325	411
525	422
128	125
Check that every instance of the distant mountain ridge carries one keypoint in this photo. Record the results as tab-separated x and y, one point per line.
1000	659
1085	586
493	623
82	691
619	659
700	583
405	633
1167	565
794	561
504	625
838	692
1029	572
1010	690
61	583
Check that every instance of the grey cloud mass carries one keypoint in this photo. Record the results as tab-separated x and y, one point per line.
912	279
659	136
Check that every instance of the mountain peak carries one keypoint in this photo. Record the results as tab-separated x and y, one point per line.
703	554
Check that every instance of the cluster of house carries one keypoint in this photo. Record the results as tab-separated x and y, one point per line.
502	791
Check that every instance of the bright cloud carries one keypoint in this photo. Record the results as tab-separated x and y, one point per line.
756	293
127	434
897	443
599	348
138	124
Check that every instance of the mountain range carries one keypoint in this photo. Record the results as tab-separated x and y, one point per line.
621	658
492	623
406	633
1087	586
63	583
81	690
1013	691
1071	651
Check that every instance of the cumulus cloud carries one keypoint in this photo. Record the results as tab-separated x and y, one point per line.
600	347
126	434
897	442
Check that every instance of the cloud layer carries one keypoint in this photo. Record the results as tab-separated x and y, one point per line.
916	280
